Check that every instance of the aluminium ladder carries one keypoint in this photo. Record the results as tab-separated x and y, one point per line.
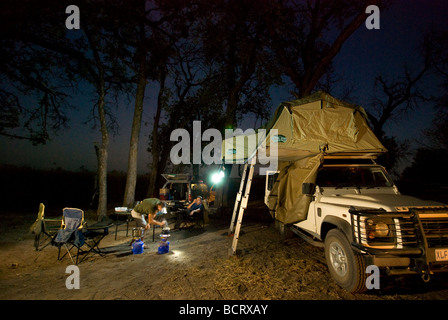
241	202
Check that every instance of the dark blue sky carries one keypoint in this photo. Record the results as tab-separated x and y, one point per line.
366	54
369	53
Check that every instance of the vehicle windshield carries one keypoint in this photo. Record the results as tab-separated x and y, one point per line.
353	176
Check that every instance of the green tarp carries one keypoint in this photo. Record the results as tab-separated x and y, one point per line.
303	132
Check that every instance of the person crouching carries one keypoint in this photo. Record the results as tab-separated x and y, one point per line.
150	207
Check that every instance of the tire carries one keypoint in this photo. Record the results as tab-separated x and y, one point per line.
346	266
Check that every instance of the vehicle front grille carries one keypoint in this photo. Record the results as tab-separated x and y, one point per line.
435	228
403	227
405	232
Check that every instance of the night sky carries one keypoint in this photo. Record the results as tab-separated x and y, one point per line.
366	54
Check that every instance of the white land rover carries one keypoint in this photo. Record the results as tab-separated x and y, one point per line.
360	218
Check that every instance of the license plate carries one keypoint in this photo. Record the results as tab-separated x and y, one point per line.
442	254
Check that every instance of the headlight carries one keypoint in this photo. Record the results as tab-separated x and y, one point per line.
381	229
376	229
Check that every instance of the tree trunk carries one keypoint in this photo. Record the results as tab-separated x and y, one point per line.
102	152
102	158
311	78
131	179
154	144
232	105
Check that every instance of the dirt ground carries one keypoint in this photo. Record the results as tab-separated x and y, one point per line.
196	268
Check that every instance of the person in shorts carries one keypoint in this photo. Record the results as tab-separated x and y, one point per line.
148	207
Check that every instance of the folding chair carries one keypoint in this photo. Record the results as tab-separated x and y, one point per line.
70	235
198	219
185	221
44	229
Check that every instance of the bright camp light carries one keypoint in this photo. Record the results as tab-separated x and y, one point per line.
217	177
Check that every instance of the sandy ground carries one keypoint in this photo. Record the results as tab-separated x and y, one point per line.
196	268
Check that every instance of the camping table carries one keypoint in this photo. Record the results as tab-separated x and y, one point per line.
123	211
126	212
94	234
179	213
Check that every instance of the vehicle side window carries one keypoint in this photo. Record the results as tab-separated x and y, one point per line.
360	177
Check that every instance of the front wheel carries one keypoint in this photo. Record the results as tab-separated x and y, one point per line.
346	266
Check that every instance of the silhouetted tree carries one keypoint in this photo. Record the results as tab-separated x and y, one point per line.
33	86
307	36
141	74
235	40
438	132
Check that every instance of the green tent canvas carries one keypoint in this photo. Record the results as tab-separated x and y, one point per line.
300	134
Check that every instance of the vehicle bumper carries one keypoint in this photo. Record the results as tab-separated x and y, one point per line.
420	258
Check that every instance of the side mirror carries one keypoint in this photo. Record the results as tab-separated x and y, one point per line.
308	188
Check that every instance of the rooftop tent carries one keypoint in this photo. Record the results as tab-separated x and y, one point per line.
317	124
305	131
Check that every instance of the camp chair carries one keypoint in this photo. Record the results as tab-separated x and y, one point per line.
201	218
198	219
70	235
189	222
44	229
